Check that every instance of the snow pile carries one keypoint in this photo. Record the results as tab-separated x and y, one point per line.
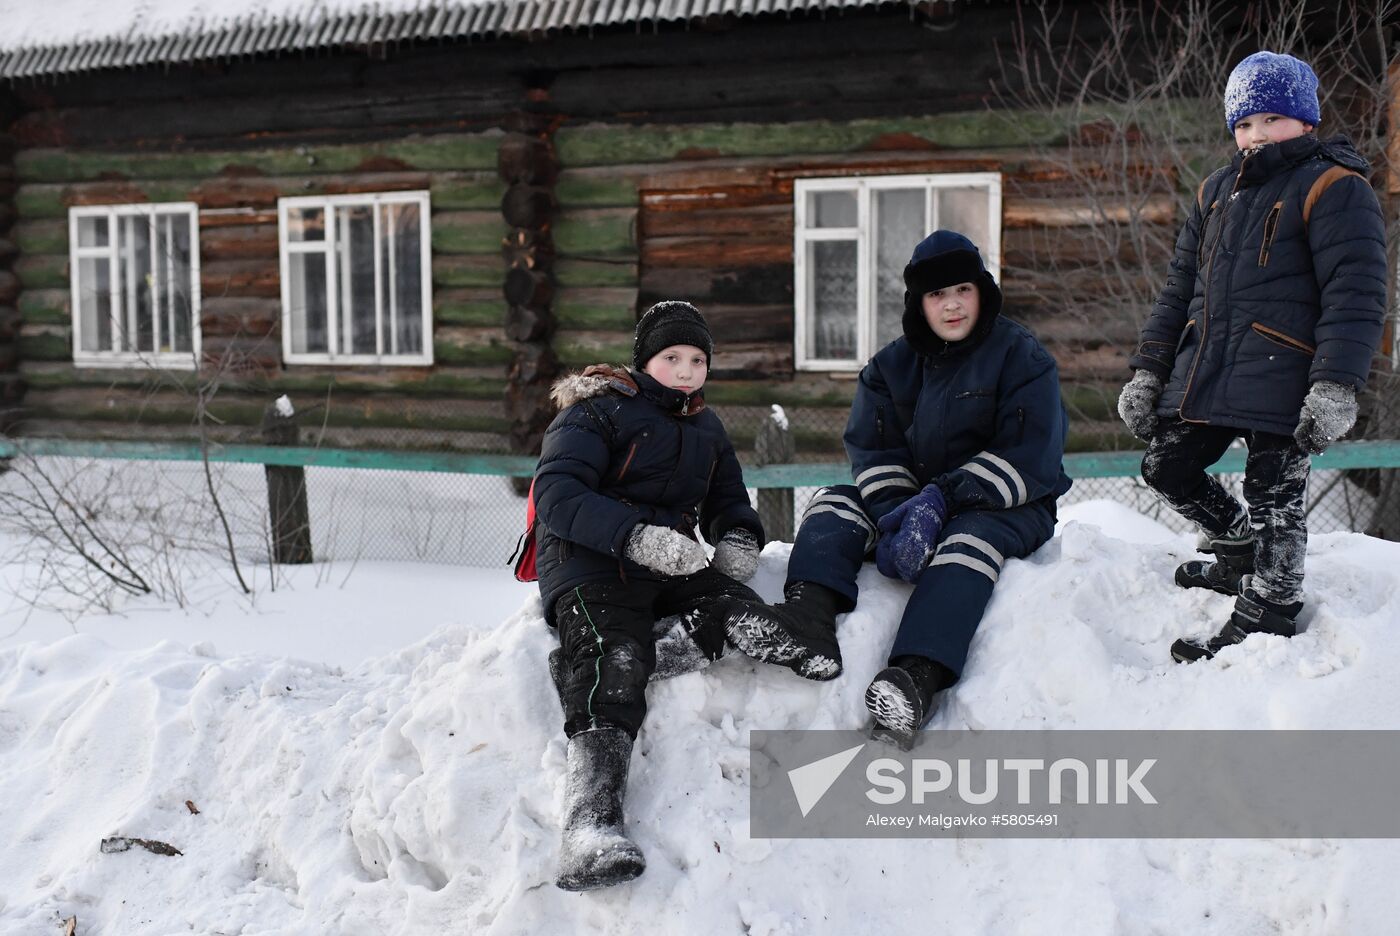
420	791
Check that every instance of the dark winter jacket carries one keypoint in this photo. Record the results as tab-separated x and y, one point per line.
981	417
1278	281
626	450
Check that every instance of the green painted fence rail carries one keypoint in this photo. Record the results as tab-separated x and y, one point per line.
1378	454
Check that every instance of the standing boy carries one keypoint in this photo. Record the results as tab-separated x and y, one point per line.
1264	331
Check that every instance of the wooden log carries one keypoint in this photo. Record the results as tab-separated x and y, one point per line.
450	152
529	287
243	278
761	284
467	232
1160	209
288	513
239	242
239	315
449	190
597	308
523	323
481	307
533	364
44	305
583	272
761	221
41	237
729	251
469	270
528	206
471	346
526	159
596	232
528	248
597	188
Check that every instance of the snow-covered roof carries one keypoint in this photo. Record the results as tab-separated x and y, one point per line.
51	37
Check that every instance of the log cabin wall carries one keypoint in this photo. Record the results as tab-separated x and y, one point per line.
677	149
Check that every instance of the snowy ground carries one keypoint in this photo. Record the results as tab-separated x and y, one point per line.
375	749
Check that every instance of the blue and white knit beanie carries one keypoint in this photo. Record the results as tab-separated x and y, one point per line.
1270	83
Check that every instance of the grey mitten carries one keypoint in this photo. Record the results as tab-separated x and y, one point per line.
663	550
1329	412
736	554
1137	404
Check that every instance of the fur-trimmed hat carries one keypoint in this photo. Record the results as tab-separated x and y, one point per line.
1270	83
670	322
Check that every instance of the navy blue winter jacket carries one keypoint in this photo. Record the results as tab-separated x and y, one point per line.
626	450
982	417
1278	281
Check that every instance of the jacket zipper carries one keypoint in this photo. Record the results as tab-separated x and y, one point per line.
1270	229
1205	304
880	424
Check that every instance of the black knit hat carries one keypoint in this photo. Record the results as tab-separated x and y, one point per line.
670	322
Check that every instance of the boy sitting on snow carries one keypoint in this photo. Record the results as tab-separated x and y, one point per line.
955	439
1265	330
630	469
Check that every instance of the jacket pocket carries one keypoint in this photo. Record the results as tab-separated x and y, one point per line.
1185	333
1282	340
1270	229
626	462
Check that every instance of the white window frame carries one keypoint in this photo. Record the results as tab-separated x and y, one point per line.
329	247
123	313
864	236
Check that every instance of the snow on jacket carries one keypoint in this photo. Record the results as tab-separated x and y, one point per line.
982	417
1278	281
626	450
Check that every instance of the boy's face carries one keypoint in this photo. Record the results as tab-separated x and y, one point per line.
952	311
1258	129
680	367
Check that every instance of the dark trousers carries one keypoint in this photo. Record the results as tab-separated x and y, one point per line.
1275	488
949	599
606	631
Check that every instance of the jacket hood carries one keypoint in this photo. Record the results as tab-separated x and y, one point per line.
945	258
598	379
594	381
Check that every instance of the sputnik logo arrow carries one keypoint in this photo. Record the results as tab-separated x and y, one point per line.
810	782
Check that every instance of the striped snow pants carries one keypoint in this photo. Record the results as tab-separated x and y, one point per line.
837	535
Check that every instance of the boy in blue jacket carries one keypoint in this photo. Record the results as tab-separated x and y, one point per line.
631	468
955	439
1264	331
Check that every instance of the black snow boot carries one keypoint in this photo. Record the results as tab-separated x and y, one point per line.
1234	559
799	634
1253	614
901	696
593	850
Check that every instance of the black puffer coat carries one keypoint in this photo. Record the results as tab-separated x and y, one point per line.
626	450
1278	281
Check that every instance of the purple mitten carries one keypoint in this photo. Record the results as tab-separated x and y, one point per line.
909	534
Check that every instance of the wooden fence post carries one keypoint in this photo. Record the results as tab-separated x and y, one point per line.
774	446
286	489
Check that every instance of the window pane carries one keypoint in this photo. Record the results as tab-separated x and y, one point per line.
831	209
92	232
354	228
134	251
179	304
965	210
832	325
306	224
95	304
401	281
899	226
308	300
